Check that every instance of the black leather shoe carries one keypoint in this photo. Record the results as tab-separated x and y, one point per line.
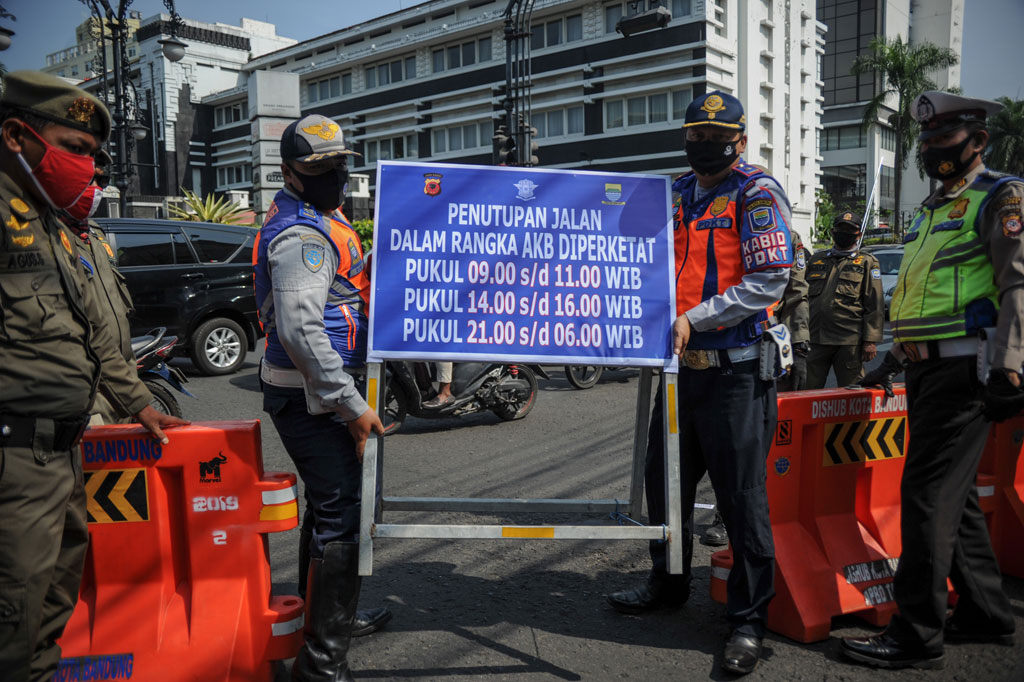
716	535
958	633
884	651
370	620
655	594
742	652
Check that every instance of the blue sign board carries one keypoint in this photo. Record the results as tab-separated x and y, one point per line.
521	264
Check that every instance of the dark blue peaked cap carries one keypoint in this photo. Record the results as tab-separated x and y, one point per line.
716	108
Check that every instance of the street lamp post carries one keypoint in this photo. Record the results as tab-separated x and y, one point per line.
127	129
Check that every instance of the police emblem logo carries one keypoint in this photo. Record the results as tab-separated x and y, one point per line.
613	192
782	466
960	209
847	216
925	109
432	184
762	219
713	105
19	205
1011	225
81	110
313	256
65	242
526	187
719	205
325	131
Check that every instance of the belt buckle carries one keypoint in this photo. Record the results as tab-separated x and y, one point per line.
696	359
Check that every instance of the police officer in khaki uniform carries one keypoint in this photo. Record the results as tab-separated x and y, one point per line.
847	306
55	348
794	312
960	291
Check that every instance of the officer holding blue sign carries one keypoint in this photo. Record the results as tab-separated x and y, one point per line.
312	291
733	257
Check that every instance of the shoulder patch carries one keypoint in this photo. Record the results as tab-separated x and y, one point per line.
762	219
313	255
876	273
801	261
1011	225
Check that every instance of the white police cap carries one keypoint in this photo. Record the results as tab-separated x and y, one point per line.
942	112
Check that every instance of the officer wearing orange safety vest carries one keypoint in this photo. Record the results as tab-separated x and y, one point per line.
733	259
312	291
956	317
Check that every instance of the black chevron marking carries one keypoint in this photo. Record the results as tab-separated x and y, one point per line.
883	443
901	428
851	454
830	443
867	443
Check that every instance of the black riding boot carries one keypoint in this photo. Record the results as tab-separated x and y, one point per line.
333	590
367	620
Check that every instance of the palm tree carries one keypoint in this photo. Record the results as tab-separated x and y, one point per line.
903	69
1005	150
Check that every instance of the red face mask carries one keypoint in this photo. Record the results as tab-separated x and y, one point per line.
60	176
87	204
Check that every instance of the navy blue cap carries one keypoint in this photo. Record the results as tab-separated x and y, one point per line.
716	108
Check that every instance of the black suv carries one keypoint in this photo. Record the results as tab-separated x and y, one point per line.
193	278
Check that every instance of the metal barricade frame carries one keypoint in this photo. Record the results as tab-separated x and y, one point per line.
371	515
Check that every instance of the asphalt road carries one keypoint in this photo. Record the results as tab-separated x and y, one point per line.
527	611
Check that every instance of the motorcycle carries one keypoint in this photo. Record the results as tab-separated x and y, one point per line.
583	376
508	391
152	351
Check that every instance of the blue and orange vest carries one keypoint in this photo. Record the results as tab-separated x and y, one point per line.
733	230
345	320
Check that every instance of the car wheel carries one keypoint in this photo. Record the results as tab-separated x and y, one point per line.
218	347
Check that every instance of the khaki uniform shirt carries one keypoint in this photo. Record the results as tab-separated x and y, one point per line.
846	299
999	227
794	310
55	340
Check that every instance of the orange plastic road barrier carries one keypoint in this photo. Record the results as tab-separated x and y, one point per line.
834	491
1001	493
177	578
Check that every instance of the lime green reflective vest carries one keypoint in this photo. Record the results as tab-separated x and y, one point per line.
946	285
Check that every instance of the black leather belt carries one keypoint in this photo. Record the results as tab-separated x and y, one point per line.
20	432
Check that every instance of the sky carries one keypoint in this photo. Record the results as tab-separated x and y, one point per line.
989	64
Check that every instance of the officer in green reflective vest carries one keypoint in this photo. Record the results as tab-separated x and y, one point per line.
956	319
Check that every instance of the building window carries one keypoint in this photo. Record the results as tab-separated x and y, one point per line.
329	88
612	14
234	175
681	7
845	184
403	147
888	139
851	26
559	122
394	71
642	110
557	31
231	113
462	54
844	137
462	137
887	195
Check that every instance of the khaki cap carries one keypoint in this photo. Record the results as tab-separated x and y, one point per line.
55	100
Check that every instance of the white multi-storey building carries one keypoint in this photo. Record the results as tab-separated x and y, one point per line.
426	82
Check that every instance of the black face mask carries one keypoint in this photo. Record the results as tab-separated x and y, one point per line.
945	162
708	157
844	241
325	191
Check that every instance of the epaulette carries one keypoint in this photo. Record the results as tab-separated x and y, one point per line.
748	171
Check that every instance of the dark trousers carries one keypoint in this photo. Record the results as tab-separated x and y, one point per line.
324	455
845	361
943	529
43	539
726	421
